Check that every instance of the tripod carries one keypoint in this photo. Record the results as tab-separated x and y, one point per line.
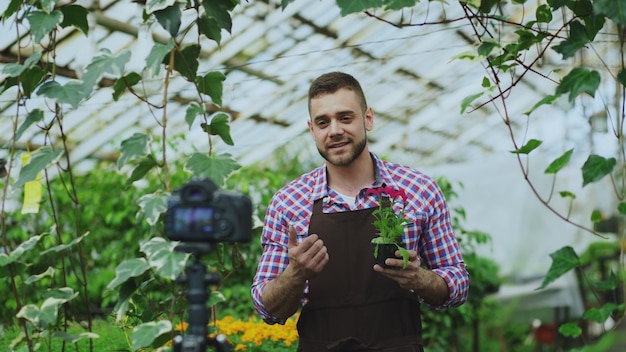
198	280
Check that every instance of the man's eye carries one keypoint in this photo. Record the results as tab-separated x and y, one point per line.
321	123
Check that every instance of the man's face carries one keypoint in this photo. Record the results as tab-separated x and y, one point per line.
339	126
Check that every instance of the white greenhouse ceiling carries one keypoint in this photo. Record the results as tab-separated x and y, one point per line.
410	76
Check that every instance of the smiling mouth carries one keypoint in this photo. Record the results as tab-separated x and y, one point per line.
338	145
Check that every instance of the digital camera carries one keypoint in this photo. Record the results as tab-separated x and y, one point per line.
200	212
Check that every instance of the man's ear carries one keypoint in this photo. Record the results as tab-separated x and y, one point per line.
369	119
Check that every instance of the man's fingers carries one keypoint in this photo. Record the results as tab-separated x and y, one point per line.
292	237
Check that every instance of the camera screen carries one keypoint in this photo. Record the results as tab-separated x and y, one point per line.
193	220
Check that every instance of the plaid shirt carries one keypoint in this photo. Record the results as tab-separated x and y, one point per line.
430	232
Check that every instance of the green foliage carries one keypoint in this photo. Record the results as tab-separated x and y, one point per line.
596	168
528	147
563	260
39	160
442	328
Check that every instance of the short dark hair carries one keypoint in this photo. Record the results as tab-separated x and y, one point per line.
331	82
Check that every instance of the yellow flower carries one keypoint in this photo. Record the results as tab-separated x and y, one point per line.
255	331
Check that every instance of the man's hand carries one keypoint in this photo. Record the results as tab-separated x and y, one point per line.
407	277
426	283
282	295
307	258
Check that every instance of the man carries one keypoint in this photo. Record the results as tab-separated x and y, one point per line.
316	240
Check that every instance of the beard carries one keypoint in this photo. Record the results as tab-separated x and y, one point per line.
347	158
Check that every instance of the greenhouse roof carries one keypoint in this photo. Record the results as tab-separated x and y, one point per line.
412	77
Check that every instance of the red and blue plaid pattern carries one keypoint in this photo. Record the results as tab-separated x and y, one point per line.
430	232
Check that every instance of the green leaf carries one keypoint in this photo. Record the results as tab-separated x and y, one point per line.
526	39
563	260
124	82
127	269
392	5
14	255
567	194
351	6
144	335
126	292
162	258
543	13
29	312
48	5
216	168
486	5
39	160
545	101
579	80
219	11
600	315
151	206
156	5
14	69
596	167
559	162
76	16
146	164
528	147
570	329
73	92
46	316
594	25
284	3
220	126
486	47
596	216
606	285
193	110
102	64
33	117
50	307
41	23
169	18
8	83
405	256
468	100
210	28
155	59
621	77
74	338
31	78
211	85
186	61
578	38
134	147
615	10
215	298
35	278
621	207
14	5
65	246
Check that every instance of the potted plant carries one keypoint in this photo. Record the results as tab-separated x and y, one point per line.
389	225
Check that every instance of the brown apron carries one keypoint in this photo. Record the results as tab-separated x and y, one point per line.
351	307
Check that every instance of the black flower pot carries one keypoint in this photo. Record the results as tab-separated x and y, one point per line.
385	250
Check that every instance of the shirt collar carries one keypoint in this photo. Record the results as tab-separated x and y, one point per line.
320	178
383	177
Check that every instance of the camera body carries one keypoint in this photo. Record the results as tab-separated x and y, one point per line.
200	212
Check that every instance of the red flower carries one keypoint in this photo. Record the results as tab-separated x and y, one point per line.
389	225
390	191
